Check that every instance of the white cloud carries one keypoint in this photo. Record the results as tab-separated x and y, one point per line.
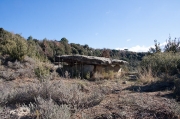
139	48
136	48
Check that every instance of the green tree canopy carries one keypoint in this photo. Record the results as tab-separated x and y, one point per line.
64	40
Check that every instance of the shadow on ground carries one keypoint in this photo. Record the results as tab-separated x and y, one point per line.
152	87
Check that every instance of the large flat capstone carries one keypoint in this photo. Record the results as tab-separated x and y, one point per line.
92	60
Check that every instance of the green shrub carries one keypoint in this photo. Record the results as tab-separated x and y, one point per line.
161	66
32	48
167	62
15	46
41	71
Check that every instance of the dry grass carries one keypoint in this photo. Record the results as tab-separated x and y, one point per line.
48	109
73	99
78	99
107	75
28	68
146	75
11	70
50	98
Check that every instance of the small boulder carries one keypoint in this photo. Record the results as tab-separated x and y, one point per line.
20	112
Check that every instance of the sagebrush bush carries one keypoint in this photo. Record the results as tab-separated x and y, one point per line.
48	109
49	99
10	70
8	75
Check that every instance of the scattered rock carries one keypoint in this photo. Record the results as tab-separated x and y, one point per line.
20	112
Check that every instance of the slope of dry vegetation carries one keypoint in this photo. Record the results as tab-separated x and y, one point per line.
29	96
74	98
30	87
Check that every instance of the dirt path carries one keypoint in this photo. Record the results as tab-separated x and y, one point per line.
126	104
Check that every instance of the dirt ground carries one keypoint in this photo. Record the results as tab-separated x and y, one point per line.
120	99
126	100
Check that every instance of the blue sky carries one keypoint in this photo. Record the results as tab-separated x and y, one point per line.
131	24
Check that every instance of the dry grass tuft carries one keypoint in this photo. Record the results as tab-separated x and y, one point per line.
146	75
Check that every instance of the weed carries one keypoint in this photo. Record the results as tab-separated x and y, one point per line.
146	75
48	109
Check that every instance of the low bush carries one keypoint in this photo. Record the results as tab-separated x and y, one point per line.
48	109
10	70
8	75
41	71
49	99
166	62
164	66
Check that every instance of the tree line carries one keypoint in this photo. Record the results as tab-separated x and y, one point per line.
18	47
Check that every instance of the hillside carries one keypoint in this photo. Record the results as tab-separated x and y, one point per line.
32	88
47	48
